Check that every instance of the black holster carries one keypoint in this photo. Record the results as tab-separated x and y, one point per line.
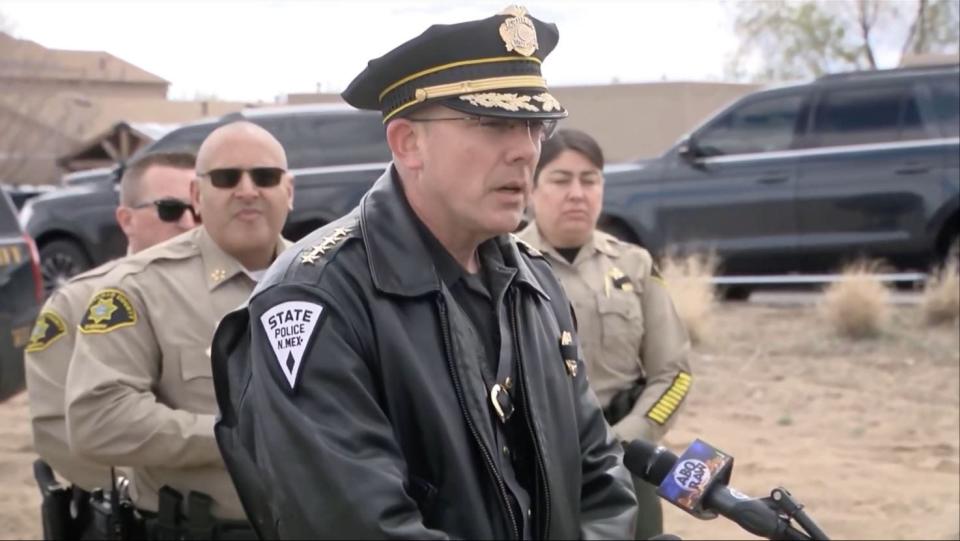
55	508
623	402
170	523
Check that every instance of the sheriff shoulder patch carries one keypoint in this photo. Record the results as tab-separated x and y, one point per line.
110	309
48	328
289	327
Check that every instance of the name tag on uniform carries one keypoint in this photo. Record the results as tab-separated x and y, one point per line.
289	326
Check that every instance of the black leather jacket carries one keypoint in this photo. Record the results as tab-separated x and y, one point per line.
384	433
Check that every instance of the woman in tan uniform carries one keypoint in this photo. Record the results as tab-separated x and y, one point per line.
636	347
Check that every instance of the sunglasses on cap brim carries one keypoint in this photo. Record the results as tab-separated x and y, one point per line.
229	177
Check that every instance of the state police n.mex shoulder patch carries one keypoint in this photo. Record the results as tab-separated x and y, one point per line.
109	309
289	326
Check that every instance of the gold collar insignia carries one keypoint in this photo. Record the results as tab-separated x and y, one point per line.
313	254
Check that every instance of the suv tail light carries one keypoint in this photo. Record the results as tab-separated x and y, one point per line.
35	267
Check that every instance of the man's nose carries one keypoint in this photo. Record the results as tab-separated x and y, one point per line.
187	220
524	143
246	188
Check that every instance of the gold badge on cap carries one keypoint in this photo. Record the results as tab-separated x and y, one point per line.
518	32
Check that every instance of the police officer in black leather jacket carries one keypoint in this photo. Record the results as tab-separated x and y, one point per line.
412	370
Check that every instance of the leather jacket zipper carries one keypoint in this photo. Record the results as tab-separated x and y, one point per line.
545	534
491	467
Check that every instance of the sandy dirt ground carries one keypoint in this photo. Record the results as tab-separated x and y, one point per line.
865	434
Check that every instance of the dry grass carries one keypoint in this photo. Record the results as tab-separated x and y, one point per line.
941	296
688	279
857	306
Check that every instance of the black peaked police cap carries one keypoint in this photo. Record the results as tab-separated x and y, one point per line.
488	67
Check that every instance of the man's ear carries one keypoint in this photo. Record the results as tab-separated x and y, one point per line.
124	217
290	191
406	143
195	195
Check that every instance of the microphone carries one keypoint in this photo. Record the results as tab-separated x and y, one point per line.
696	483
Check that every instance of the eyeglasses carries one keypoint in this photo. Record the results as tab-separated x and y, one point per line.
229	177
169	209
541	128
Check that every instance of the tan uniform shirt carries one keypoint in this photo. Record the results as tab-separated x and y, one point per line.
46	359
140	388
628	328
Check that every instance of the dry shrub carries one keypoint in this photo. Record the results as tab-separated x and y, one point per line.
941	296
688	279
857	305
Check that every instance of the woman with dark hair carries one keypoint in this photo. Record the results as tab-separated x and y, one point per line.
635	346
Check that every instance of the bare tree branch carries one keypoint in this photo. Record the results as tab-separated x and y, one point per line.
789	39
866	20
917	33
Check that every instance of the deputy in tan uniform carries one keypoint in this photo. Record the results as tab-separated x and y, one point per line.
154	206
636	347
139	389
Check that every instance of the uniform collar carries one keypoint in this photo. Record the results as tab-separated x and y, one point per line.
399	259
219	267
599	242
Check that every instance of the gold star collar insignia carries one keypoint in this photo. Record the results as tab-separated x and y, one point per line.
313	254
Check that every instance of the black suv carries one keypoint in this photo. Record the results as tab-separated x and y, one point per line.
803	178
334	151
20	296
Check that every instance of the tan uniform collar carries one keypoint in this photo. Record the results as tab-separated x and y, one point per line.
606	244
219	266
599	242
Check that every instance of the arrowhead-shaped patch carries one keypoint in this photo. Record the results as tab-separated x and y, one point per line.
289	327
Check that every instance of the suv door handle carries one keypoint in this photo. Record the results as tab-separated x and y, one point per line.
772	180
912	169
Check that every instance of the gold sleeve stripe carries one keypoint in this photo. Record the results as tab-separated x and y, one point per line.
670	400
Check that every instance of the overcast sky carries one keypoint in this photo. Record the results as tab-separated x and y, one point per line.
259	50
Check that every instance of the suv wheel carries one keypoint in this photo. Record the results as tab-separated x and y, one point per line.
953	251
735	293
60	260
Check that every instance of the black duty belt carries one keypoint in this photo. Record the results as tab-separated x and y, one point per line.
198	522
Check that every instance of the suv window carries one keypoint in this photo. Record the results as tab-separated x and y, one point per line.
317	140
763	125
878	114
8	216
946	105
309	139
186	139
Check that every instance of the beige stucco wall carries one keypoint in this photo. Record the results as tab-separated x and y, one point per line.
90	88
630	120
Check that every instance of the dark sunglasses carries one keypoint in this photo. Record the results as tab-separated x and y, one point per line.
169	209
262	177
